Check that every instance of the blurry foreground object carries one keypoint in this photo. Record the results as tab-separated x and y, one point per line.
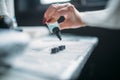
7	16
12	43
5	22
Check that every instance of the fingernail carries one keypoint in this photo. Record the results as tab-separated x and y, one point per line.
44	21
49	20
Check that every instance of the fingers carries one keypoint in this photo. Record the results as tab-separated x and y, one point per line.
65	25
49	12
69	8
54	12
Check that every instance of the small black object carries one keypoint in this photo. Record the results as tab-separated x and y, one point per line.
57	32
5	22
62	47
18	29
54	50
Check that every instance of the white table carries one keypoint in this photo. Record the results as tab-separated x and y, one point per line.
37	62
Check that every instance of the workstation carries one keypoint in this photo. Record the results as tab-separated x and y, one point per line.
32	50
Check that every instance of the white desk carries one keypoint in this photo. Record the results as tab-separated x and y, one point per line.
37	63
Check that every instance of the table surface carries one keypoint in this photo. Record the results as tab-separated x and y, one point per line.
37	62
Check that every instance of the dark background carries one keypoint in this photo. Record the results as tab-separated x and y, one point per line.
104	63
30	12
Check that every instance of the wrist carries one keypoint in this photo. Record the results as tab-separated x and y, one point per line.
81	21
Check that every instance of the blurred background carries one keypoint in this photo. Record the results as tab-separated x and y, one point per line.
29	12
103	64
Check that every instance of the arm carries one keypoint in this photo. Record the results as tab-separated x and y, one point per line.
108	18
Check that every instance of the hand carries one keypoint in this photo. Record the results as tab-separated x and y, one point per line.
70	13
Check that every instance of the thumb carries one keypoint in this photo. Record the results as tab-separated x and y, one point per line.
64	25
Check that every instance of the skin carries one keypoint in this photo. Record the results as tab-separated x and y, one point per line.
71	14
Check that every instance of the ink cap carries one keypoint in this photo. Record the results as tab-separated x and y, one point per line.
61	47
54	50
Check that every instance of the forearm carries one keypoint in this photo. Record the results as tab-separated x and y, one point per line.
108	18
